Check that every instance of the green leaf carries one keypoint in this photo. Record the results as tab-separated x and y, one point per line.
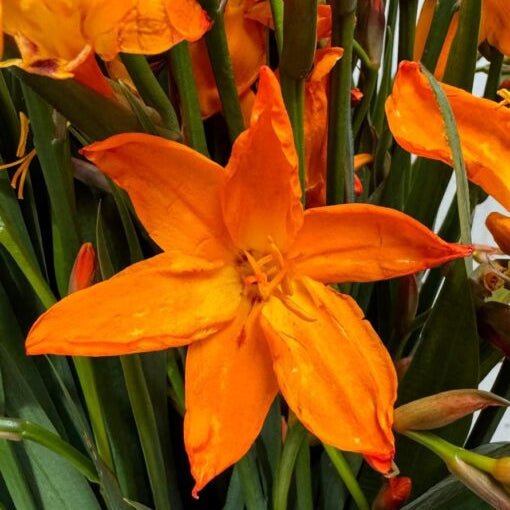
446	358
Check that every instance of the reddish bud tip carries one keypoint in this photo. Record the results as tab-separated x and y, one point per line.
84	270
393	494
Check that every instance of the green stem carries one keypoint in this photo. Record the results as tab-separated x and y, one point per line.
277	12
463	202
18	430
295	437
194	133
149	88
294	96
304	478
347	477
448	451
221	64
146	425
340	165
250	483
494	75
176	382
345	472
408	10
85	371
460	68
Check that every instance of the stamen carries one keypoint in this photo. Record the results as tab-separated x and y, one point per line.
24	122
294	308
24	161
505	95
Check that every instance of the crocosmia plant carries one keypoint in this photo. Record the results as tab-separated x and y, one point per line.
240	262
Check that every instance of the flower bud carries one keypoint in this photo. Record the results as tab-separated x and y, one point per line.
370	28
501	470
402	365
393	494
443	408
84	270
494	325
480	483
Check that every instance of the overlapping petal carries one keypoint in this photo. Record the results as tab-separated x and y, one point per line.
55	36
494	25
483	127
333	370
362	242
175	191
246	42
261	196
152	305
499	226
230	385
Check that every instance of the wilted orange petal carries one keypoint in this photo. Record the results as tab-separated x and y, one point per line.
333	370
246	42
362	242
499	226
316	125
174	189
151	305
494	24
261	197
54	37
230	385
417	125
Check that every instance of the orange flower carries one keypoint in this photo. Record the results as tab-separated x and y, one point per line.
246	42
494	23
417	125
242	281
54	37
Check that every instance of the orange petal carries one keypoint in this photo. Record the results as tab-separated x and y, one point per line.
54	37
246	42
495	23
362	242
174	189
149	306
230	385
261	196
89	74
333	370
324	21
316	125
483	127
499	226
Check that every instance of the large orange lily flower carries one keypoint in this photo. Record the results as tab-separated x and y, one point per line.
483	128
494	23
242	281
55	36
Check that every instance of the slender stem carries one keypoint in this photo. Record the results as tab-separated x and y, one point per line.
340	165
176	382
147	429
408	10
304	478
221	64
295	437
277	12
448	451
250	483
345	472
85	371
18	430
194	133
492	84
463	202
149	88
460	68
294	95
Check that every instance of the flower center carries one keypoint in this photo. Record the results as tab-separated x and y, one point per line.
264	274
